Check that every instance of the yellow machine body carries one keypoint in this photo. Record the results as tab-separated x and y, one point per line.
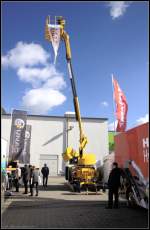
84	171
10	169
86	174
69	154
87	159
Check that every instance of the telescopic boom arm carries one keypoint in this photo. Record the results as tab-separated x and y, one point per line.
65	38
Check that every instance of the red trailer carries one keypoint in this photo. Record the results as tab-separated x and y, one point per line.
134	145
132	155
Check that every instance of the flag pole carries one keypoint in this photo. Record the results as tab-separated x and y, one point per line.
113	102
10	137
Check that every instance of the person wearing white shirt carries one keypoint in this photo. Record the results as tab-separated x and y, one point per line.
17	177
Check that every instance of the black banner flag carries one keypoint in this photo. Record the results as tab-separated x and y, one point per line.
26	150
17	136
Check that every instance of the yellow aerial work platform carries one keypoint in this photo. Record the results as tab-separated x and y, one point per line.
82	165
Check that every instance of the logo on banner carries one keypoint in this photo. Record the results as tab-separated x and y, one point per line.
27	134
19	123
26	149
17	135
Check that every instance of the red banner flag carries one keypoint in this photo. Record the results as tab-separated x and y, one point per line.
121	107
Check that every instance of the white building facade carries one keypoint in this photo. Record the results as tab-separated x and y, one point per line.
51	135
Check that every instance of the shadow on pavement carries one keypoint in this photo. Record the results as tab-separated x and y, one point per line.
53	187
37	212
83	193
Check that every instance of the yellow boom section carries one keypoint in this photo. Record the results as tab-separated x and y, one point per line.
65	38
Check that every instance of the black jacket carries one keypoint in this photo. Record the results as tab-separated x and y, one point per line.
114	178
26	174
45	171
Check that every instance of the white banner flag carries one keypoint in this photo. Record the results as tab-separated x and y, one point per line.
55	38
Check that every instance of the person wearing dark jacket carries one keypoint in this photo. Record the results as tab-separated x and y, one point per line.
25	177
30	174
45	173
113	185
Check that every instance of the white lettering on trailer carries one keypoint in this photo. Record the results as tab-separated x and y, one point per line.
145	142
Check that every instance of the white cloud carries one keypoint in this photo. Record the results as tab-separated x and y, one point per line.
4	61
104	103
142	120
118	8
111	126
25	55
55	83
41	100
31	64
36	76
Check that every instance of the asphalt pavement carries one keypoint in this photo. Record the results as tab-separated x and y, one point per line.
58	206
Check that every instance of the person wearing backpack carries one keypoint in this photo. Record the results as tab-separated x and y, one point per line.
45	173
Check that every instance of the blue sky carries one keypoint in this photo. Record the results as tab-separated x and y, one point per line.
105	38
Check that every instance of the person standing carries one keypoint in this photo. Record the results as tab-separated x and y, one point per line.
113	186
17	177
30	176
34	180
45	173
25	177
9	174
